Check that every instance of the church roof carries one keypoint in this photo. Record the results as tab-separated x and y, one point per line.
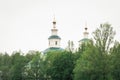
53	49
84	40
54	37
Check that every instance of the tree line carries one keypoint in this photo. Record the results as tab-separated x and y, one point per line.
97	59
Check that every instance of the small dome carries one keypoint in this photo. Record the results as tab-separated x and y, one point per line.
54	37
53	49
84	40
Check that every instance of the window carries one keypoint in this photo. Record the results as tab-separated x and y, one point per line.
55	42
49	42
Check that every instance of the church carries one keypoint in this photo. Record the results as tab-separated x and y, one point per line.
54	40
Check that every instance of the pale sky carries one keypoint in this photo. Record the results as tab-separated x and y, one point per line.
26	24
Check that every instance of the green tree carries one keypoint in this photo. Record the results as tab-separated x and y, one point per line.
18	62
30	55
81	49
92	66
94	63
5	64
104	36
115	58
60	66
35	69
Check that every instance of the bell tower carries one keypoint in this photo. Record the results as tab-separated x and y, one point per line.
54	39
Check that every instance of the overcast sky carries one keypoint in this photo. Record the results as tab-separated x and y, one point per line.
26	24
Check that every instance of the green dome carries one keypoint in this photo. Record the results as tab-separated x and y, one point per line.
84	40
53	49
54	37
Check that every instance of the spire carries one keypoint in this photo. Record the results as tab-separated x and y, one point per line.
86	33
86	26
54	22
54	30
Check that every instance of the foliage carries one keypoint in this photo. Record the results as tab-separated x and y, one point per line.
61	65
35	69
115	58
5	62
104	36
92	65
18	62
